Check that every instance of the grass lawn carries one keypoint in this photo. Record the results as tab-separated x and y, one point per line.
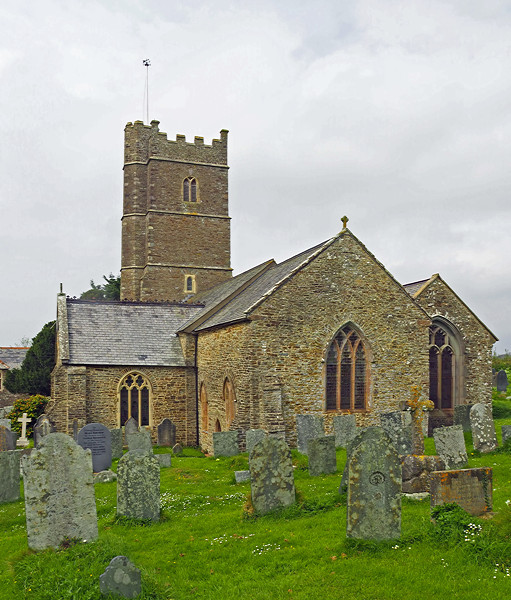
208	546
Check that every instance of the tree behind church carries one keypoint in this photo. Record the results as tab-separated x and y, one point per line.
33	377
110	290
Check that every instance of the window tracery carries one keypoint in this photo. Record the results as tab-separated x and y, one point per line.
134	396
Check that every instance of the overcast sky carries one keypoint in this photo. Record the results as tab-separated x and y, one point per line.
396	113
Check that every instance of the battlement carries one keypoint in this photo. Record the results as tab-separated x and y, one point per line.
143	142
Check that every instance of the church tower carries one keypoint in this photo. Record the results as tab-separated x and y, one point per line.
175	226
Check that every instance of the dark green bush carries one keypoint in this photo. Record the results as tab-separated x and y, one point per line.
33	406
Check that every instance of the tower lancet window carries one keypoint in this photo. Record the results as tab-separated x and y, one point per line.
190	186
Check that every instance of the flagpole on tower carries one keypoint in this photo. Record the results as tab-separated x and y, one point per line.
147	63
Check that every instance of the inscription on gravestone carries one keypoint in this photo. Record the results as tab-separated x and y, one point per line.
471	489
138	486
97	437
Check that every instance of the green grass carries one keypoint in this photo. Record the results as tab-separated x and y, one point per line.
209	546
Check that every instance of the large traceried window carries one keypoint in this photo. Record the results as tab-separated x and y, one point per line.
134	393
347	372
444	373
229	401
190	188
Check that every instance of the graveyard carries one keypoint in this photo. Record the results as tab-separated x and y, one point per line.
212	541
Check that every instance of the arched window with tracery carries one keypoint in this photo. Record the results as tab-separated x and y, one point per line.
229	401
347	372
203	398
190	188
444	366
135	398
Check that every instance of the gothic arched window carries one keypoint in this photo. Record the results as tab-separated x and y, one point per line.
135	397
347	372
190	189
229	401
444	372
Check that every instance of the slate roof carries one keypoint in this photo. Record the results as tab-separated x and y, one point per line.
11	358
126	333
413	288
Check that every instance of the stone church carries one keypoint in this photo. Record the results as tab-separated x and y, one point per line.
326	332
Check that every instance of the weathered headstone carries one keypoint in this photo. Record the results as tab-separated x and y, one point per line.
105	477
4	411
42	427
140	441
241	476
59	493
177	449
116	442
225	443
374	488
252	437
165	460
271	475
345	429
502	381
462	416
121	578
472	489
308	427
6	439
131	426
5	423
23	440
9	476
399	427
450	446
166	433
506	433
138	486
322	457
97	437
416	471
483	428
349	450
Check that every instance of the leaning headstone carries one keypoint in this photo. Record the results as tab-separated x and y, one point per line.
140	441
483	428
506	433
166	433
177	449
9	476
59	493
271	475
116	442
450	446
97	437
399	426
502	381
6	439
471	489
138	486
241	476
345	429
252	437
23	440
322	457
5	423
165	460
42	427
462	416
105	477
121	578
225	443
308	427
131	426
374	488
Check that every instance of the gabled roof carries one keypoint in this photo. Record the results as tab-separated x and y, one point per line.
123	333
413	288
12	357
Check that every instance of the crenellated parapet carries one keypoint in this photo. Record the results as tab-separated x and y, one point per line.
144	142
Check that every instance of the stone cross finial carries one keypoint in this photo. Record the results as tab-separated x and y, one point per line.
24	420
344	221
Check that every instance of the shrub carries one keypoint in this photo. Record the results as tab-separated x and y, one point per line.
33	406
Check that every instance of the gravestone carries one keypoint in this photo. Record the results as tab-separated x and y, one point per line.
351	446
225	443
502	381
252	437
121	578
416	471
271	475
398	425
105	477
42	427
506	433
23	440
5	423
462	416
131	426
374	488
75	430
450	446
166	433
165	460
345	429
483	428
140	441
472	489
6	439
116	442
4	411
97	437
177	450
308	427
322	457
9	476
241	476
138	486
59	493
